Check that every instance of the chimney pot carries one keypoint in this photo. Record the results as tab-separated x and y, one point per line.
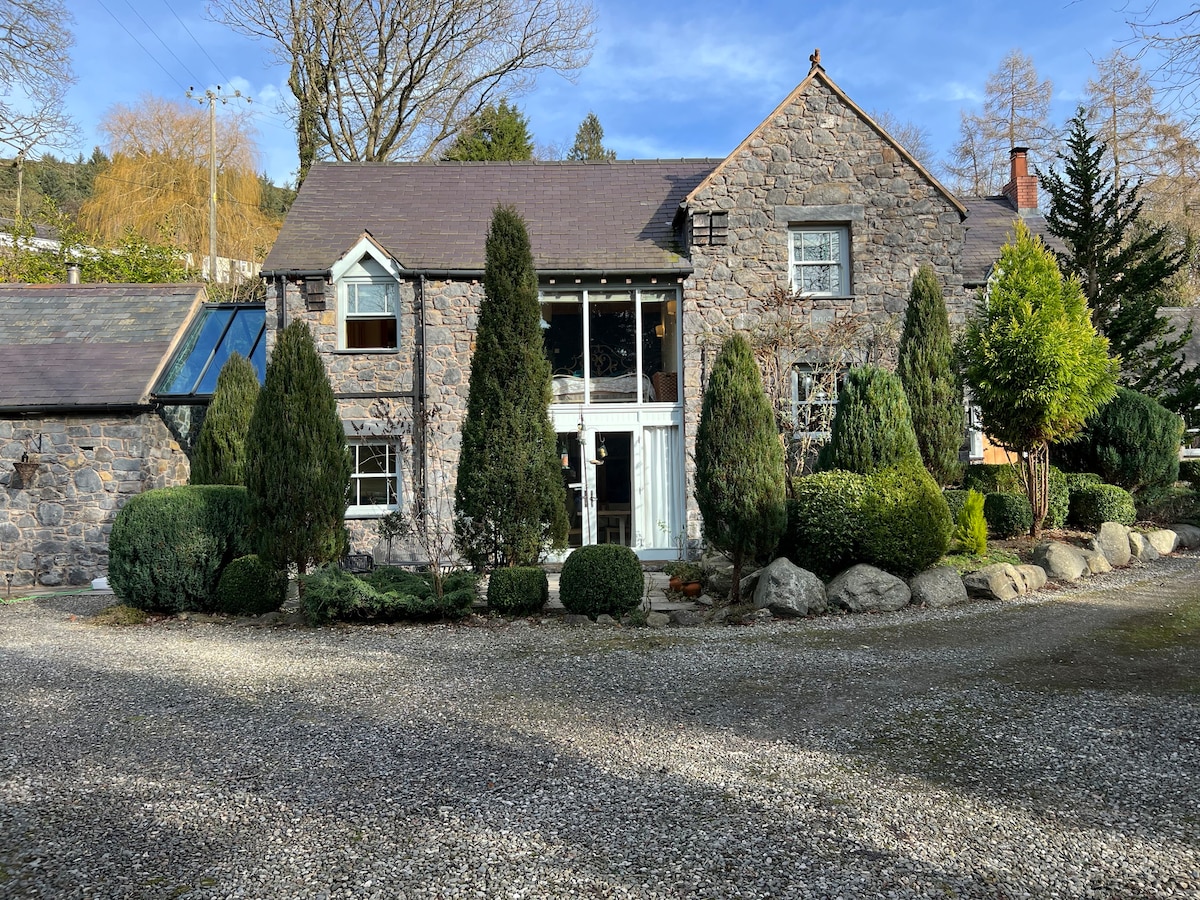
72	274
1022	188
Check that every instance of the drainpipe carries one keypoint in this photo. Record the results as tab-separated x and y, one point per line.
420	436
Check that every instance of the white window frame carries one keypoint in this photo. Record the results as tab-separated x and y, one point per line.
796	262
391	471
827	405
354	269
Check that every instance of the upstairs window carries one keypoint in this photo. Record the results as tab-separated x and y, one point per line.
369	314
820	261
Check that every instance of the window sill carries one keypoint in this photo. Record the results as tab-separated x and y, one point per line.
380	351
368	512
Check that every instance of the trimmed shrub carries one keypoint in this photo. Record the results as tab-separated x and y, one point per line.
518	591
1189	471
872	428
1003	478
220	454
895	519
970	530
250	587
906	522
1166	507
169	546
956	499
1078	480
1007	514
823	527
1059	506
386	594
1096	504
1132	442
601	579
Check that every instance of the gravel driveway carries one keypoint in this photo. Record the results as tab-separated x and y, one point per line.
1042	748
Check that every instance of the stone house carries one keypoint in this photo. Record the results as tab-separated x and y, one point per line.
818	217
97	386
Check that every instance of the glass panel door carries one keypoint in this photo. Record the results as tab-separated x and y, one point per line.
613	462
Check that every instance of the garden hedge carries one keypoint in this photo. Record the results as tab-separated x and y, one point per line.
1008	515
518	590
250	587
1096	504
169	546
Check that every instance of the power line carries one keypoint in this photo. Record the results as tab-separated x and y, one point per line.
143	46
203	50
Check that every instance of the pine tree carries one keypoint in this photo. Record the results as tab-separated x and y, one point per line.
494	134
509	498
220	454
1034	361
740	485
297	465
872	428
589	141
926	369
1125	267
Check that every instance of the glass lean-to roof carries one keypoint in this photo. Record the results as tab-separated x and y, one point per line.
219	331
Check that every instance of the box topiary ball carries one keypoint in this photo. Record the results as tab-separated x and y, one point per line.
601	579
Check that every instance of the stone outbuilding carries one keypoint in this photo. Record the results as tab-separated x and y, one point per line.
80	428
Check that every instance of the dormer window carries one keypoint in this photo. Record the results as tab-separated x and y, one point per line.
368	299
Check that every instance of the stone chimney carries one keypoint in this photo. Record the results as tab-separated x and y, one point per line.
1022	188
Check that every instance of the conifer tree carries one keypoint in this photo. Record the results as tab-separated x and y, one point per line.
872	428
740	483
589	141
509	499
297	465
497	133
926	369
1034	361
1125	266
220	454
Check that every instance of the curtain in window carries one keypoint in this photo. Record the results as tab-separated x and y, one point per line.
660	519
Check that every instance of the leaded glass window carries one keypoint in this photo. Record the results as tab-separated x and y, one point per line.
820	261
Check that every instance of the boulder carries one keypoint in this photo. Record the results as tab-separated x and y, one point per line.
1140	548
788	590
1061	562
1113	541
938	587
1163	540
657	620
686	617
750	582
864	588
1000	581
1034	578
718	570
1187	537
1097	562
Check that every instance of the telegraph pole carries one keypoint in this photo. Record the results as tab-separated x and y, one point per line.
211	97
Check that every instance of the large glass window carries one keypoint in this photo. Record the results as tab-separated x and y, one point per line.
612	346
820	261
219	332
369	314
375	480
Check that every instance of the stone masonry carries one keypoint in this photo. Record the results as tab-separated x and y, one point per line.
55	531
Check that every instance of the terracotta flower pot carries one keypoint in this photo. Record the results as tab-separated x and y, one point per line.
676	583
692	589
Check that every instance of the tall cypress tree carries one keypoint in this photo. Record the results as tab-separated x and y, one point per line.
509	499
872	428
297	465
1125	266
220	454
926	370
740	481
589	141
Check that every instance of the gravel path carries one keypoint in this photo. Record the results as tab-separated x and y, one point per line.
1044	748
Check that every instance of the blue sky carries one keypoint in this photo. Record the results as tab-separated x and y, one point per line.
666	80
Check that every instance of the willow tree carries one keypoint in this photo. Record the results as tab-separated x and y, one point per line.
157	183
1034	361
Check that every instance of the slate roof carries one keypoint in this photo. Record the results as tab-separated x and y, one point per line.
582	217
88	345
989	226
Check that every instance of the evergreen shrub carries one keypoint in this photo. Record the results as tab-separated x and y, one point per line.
386	594
1132	441
1096	504
250	587
1008	515
1168	506
906	522
1189	471
895	519
956	499
220	453
872	428
518	591
169	546
1003	478
601	579
970	530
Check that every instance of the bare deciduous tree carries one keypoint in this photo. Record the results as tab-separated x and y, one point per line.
1120	101
909	135
378	80
1175	42
1016	112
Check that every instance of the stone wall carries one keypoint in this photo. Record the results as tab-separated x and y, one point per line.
55	531
816	161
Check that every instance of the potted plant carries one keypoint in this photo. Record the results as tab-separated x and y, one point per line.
686	577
